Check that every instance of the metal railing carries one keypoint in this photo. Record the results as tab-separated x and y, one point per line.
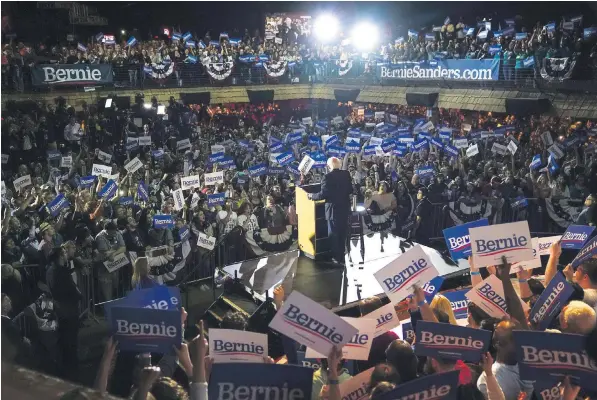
18	79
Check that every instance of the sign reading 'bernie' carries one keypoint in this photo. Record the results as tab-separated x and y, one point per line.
490	243
230	346
385	319
451	341
576	236
458	239
359	345
489	295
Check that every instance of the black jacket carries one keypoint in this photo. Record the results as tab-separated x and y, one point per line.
65	293
336	188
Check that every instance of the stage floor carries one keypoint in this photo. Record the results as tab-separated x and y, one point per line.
328	284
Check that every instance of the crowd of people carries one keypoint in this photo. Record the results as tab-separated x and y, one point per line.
288	43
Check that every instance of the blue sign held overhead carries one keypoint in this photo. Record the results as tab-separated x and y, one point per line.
146	330
458	302
551	301
436	386
216	199
353	147
58	204
285	158
576	236
87	181
109	190
163	221
257	170
587	252
458	240
435	339
125	201
142	191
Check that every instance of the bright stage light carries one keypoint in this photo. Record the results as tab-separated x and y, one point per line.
147	106
365	36
326	27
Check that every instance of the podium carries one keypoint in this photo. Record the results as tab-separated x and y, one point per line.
313	237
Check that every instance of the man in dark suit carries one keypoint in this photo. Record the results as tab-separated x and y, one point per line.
336	188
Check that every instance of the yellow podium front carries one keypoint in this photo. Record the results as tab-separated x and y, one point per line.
313	238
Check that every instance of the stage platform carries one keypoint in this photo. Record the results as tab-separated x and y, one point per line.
331	285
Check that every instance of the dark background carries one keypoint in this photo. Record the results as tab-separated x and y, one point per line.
143	19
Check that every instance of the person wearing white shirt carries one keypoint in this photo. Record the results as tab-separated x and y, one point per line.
72	132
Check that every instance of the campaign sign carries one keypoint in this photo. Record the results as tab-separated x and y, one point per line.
216	199
306	164
551	301
227	162
276	147
435	339
275	171
146	330
331	140
66	162
549	357
59	203
178	199
499	149
257	170
53	155
183	144
260	381
22	182
315	140
533	263
437	143
159	297
163	221
408	333
490	243
214	158
353	147
357	387
411	268
86	181
132	144
512	147
108	190
125	201
587	252
489	296
189	182
359	346
370	150
421	144
217	148
458	240
159	153
451	150
388	145
576	236
460	143
104	157
293	169
134	165
294	137
432	287
285	158
214	178
184	233
536	162
231	346
311	324
555	151
425	172
385	319
144	140
545	244
472	151
437	387
458	302
142	191
117	262
206	242
101	170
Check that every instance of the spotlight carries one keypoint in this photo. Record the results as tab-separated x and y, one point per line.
326	27
147	106
123	32
365	36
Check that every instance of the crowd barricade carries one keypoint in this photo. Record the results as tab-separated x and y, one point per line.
356	72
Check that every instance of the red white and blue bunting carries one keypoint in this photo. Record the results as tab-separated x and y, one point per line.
159	71
275	69
344	66
219	71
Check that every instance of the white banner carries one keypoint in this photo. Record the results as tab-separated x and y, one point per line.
357	387
119	261
385	317
144	140
207	242
489	295
134	165
472	151
409	269
22	182
490	243
305	165
217	148
104	157
214	178
233	346
178	199
183	144
359	346
311	324
66	162
101	170
189	182
545	243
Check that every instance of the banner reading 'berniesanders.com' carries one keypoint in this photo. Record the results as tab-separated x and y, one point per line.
466	70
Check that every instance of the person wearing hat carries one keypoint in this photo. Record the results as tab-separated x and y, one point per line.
66	298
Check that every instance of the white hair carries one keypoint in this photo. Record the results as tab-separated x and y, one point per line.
334	163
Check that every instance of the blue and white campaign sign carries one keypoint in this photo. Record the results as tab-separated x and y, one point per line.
184	233
420	145
357	387
56	205
146	330
232	346
295	137
159	297
399	276
489	296
315	364
587	252
435	339
551	302
108	190
436	386
214	178
370	150
53	155
385	319
87	181
458	239
276	147
490	243
359	346
432	287
257	170
315	140
438	144
163	221
353	146
465	70
408	332
425	172
189	182
125	201
285	158
272	381
275	170
101	170
142	191
458	302
311	324
576	236
549	357
331	140
547	390
536	162
215	157
388	145
292	168
461	143
545	243
227	162
451	150
216	199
